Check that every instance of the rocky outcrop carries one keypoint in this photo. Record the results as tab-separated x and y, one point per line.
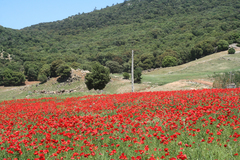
78	74
62	91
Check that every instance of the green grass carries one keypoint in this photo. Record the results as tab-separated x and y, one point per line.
199	69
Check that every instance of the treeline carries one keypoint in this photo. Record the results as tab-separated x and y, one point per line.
14	73
162	33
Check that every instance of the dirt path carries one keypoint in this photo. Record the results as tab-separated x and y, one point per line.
210	84
182	85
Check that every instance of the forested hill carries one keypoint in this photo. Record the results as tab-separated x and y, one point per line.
159	31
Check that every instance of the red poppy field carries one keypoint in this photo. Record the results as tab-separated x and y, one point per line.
196	124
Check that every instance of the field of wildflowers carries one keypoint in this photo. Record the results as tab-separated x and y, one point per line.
196	124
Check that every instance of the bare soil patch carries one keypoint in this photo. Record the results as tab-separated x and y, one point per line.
181	85
31	82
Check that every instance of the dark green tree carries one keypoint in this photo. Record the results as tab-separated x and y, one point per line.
202	49
12	78
98	78
44	73
137	75
222	45
54	66
45	70
159	58
146	61
231	51
5	55
126	67
15	66
75	65
32	74
114	67
169	61
64	71
42	78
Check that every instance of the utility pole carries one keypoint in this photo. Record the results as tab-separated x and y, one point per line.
132	72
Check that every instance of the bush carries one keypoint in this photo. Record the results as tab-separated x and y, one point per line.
54	66
98	78
114	66
222	45
75	65
138	75
64	71
42	78
11	78
159	59
231	51
45	70
126	67
146	61
202	49
32	74
126	75
222	80
169	61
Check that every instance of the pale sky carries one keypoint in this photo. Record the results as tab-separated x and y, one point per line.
17	14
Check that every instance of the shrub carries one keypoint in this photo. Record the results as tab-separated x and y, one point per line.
54	66
138	75
32	74
169	61
42	78
126	75
202	49
114	66
75	65
45	70
231	51
98	78
222	80
146	61
12	78
222	45
64	71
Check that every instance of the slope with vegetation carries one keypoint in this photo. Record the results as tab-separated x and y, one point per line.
196	74
162	33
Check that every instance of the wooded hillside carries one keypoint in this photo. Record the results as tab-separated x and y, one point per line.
161	32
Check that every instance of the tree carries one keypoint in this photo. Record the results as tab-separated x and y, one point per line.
222	45
64	71
114	66
44	73
42	78
45	70
54	66
231	51
5	55
32	74
75	65
11	78
168	52
31	69
146	61
169	61
202	49
126	67
98	78
137	75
